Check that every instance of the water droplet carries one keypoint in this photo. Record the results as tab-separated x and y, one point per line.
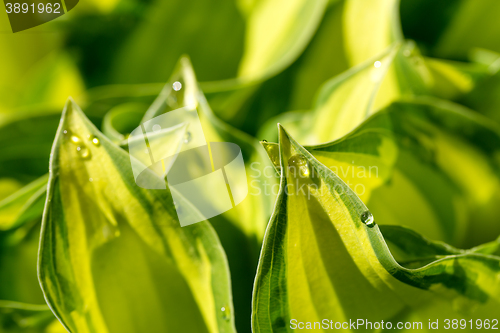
264	140
65	132
91	180
298	166
84	151
367	218
95	141
226	315
75	139
187	137
177	86
156	128
377	64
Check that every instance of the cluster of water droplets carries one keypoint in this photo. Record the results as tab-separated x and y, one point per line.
81	147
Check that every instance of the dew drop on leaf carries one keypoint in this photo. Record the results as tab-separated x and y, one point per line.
95	141
177	86
75	139
187	137
367	218
298	166
83	151
225	313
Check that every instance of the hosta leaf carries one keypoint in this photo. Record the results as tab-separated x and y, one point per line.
324	257
200	28
24	205
294	87
122	120
241	229
113	257
412	250
400	72
27	318
411	157
25	141
267	38
473	24
323	58
20	217
18	257
345	100
250	215
370	27
452	80
277	32
492	248
24	55
8	186
484	97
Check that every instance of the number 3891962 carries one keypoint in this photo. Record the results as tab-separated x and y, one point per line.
33	8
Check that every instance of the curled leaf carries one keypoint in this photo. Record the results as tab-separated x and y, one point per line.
324	256
113	257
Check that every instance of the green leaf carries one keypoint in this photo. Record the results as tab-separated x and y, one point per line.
473	24
411	250
412	157
200	29
27	318
113	257
240	229
400	72
294	87
277	32
25	141
250	215
324	257
121	120
370	27
24	205
18	257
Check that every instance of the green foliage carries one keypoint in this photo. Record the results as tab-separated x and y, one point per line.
376	198
325	257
